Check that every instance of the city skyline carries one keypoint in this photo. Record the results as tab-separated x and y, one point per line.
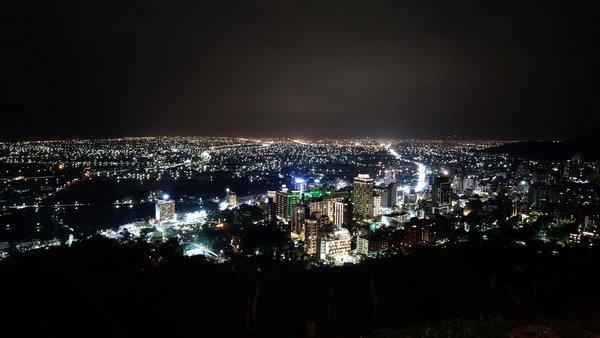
311	70
477	229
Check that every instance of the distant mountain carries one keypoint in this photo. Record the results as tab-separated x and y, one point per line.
550	150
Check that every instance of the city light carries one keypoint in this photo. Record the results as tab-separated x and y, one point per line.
410	193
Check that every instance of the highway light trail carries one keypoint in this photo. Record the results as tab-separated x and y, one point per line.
420	166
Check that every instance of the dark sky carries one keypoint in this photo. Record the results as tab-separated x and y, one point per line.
477	69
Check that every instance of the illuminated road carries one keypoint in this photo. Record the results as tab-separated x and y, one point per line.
420	167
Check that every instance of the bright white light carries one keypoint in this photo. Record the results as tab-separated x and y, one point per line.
421	167
194	216
299	180
523	182
194	252
165	196
421	183
317	180
445	172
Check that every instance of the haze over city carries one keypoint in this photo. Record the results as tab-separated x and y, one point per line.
404	69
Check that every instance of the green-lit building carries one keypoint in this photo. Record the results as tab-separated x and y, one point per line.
285	199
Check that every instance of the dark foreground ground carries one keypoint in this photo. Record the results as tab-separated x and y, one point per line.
101	288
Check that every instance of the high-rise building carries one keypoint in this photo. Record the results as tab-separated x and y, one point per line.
280	199
165	210
300	212
271	210
392	195
285	199
376	205
330	206
362	195
317	205
232	199
381	191
457	184
342	213
322	203
441	194
311	227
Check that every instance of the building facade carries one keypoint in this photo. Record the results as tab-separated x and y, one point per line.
362	195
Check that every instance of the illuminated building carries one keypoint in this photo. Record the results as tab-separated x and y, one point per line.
395	218
457	184
362	195
334	243
315	193
165	210
285	199
441	195
324	205
330	206
370	244
470	183
300	212
392	195
382	192
317	205
280	202
311	228
342	213
271	210
376	204
232	199
299	184
362	245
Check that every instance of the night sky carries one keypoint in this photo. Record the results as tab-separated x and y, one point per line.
418	69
